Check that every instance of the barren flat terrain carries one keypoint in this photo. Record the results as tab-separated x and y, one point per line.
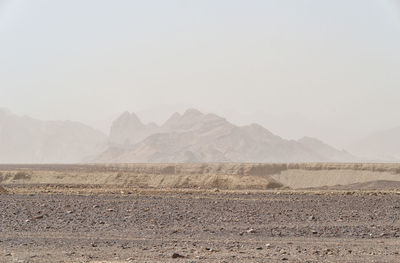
81	222
59	225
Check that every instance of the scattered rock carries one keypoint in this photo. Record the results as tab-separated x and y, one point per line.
70	253
176	255
251	231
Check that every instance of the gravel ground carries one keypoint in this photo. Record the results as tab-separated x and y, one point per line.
184	226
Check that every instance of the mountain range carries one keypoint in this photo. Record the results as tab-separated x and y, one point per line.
198	137
27	140
189	137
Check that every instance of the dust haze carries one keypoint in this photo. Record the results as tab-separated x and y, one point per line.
199	131
321	70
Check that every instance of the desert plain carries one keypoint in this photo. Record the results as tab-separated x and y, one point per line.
316	212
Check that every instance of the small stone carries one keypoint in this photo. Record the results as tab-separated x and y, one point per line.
176	255
251	231
267	245
95	206
110	210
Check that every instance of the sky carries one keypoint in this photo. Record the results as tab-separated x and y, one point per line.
327	69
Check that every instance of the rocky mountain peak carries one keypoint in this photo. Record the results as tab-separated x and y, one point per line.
128	119
198	137
128	129
192	113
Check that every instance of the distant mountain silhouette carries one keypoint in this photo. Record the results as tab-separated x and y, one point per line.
27	140
128	130
380	146
198	137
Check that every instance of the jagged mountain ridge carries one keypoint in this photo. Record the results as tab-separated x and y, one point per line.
128	129
28	140
198	137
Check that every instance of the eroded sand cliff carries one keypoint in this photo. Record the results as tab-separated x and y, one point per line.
214	175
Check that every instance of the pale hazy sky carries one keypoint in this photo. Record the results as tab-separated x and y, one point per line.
329	69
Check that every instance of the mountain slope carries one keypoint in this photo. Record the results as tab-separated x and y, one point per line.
325	151
27	140
128	129
198	137
380	146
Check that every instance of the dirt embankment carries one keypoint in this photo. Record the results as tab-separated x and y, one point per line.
143	176
205	176
2	190
331	174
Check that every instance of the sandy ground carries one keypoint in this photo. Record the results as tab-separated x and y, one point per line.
109	224
200	213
